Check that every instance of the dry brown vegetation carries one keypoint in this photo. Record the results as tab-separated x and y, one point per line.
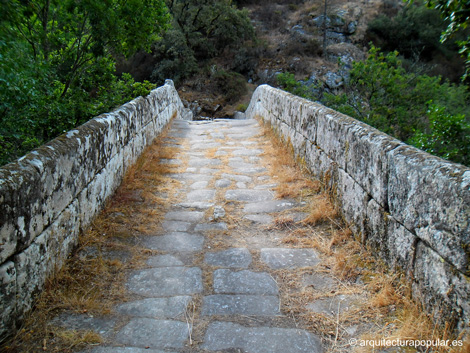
90	282
386	309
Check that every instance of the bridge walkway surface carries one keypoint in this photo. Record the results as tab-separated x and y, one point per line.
222	273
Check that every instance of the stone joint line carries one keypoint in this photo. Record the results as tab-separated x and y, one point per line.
209	275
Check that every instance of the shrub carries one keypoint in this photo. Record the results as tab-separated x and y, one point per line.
231	84
446	135
415	33
288	82
418	109
175	58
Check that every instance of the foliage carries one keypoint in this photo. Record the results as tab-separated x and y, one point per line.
415	33
231	84
457	14
201	30
175	58
210	26
383	94
288	82
447	135
57	68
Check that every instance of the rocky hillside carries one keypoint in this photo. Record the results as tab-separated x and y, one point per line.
291	38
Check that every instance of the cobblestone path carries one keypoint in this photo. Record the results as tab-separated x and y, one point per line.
211	287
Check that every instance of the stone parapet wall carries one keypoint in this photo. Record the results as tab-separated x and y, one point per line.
411	208
52	194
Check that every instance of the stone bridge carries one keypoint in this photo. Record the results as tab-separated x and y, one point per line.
411	208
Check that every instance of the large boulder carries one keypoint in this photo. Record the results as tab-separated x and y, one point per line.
340	22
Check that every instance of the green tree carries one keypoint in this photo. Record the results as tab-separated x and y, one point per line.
414	32
74	35
288	82
211	26
446	135
417	109
57	66
202	29
383	94
457	13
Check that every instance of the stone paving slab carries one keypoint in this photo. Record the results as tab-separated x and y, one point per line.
175	242
196	204
242	122
249	195
227	335
217	135
237	177
222	304
199	185
202	227
176	226
124	350
200	195
104	326
109	254
221	153
247	152
163	308
277	258
195	154
144	332
232	258
239	160
218	212
176	134
186	216
164	261
209	171
298	216
247	168
265	186
259	218
203	162
205	146
199	139
165	281
242	135
222	183
269	206
244	282
190	176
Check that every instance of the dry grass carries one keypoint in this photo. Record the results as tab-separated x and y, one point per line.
90	282
75	339
82	286
292	180
387	311
296	188
321	209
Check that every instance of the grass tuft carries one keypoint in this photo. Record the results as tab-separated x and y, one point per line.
91	279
